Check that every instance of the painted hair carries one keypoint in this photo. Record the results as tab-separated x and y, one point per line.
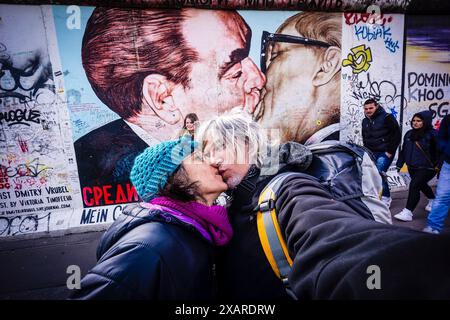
122	46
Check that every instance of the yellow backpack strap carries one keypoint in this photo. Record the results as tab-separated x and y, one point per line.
270	235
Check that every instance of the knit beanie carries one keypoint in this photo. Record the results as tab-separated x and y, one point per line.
157	163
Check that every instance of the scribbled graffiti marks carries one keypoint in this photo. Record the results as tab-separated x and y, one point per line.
44	146
370	18
10	226
32	169
354	115
20	117
385	91
371	33
375	32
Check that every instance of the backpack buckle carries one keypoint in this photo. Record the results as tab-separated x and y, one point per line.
266	205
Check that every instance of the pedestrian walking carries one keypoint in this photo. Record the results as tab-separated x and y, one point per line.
441	204
420	153
381	134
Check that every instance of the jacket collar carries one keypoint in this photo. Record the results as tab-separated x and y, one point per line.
244	191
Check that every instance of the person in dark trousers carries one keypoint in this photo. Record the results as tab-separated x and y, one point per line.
420	153
163	248
332	244
441	205
381	134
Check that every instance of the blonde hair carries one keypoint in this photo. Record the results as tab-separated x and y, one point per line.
234	131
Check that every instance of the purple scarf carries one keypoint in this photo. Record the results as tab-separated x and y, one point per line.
213	219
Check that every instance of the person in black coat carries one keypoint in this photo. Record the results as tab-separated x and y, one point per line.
441	204
420	153
381	134
163	248
333	245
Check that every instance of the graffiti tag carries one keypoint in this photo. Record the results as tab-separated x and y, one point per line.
370	18
359	60
20	116
31	169
23	224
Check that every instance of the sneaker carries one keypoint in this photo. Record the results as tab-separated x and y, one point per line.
430	230
429	205
387	201
404	215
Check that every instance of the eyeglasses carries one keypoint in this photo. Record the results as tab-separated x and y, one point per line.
268	37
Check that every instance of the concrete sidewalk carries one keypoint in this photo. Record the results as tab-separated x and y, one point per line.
36	268
420	215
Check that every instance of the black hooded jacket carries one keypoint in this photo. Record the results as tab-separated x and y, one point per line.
333	246
425	157
381	132
150	255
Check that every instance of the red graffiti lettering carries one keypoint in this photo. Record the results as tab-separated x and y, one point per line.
371	18
107	195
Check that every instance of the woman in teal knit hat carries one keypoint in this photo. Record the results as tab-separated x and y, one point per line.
163	247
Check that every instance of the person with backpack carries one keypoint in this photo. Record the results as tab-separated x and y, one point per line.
163	248
332	246
381	134
420	153
441	204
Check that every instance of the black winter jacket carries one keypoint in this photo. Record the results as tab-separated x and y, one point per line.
150	255
332	245
333	248
412	155
381	133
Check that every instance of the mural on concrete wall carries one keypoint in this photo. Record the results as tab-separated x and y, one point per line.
91	88
130	77
152	68
399	6
427	68
37	164
372	57
222	75
302	62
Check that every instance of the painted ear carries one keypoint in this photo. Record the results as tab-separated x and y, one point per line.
157	94
330	65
